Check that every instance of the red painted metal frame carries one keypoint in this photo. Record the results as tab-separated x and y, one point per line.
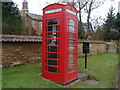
63	75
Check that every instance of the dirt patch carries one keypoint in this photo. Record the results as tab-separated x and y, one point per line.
92	82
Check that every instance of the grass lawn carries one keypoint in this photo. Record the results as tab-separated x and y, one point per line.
100	67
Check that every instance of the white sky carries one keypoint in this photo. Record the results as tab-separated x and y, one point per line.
36	6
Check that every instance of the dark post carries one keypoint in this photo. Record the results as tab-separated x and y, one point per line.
85	60
85	51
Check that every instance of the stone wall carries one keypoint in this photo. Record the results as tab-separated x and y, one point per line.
94	48
112	47
14	53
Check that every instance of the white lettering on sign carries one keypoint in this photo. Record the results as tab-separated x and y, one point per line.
53	11
71	12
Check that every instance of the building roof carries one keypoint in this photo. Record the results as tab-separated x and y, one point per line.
19	38
34	16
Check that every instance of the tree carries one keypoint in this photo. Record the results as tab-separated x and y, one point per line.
117	23
11	19
110	29
91	5
81	32
88	6
99	33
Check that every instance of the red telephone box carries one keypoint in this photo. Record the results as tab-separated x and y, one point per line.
60	43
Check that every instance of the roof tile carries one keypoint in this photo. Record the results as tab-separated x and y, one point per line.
18	38
34	16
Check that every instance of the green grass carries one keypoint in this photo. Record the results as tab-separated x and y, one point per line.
0	79
100	67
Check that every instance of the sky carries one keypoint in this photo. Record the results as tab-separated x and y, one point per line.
36	6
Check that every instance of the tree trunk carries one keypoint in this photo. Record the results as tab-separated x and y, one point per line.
80	24
88	20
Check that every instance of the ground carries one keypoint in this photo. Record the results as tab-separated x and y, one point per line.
101	67
118	77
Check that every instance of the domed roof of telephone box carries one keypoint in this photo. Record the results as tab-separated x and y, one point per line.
58	5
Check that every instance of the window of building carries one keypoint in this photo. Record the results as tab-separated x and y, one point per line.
40	24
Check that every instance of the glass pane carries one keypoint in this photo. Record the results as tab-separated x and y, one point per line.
71	42
71	35
53	21
52	69
53	28
72	68
72	49
52	42
71	62
52	55
71	29
71	55
52	62
53	35
53	49
71	22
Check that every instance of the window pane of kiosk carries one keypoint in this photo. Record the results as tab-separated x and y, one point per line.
53	49
71	35
52	42
71	29
53	35
53	28
53	55
52	62
53	21
72	49
71	42
71	55
52	69
72	68
71	22
71	62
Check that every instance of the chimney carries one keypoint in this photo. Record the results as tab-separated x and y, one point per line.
24	10
25	4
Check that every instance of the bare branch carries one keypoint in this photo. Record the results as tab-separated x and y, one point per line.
83	5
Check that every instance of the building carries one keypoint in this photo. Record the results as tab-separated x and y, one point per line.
32	23
119	6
